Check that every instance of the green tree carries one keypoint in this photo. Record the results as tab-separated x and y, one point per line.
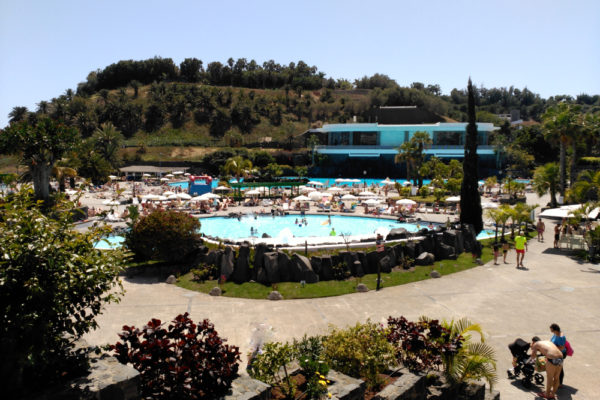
470	202
62	173
53	285
560	125
490	182
586	188
237	166
18	114
546	179
107	140
39	147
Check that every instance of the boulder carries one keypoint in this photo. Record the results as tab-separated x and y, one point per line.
397	233
302	265
392	255
241	272
326	273
259	250
398	252
171	279
271	266
211	257
315	262
275	295
227	263
216	291
425	259
362	288
445	252
386	264
357	268
435	274
265	236
335	259
454	238
428	243
362	257
261	276
283	261
372	262
409	249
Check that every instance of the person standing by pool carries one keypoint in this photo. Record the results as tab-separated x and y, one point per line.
521	247
556	235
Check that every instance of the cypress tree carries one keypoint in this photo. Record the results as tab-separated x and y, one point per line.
470	202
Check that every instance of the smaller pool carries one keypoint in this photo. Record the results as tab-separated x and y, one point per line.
110	243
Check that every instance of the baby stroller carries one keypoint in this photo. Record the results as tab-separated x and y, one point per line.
521	364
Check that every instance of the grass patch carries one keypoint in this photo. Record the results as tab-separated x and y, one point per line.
293	290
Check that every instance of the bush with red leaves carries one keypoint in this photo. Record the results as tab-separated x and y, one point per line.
184	361
422	345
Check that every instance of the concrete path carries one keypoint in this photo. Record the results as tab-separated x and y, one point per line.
508	303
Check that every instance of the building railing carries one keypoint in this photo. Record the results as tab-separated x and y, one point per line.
373	147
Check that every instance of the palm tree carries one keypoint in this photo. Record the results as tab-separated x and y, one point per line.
17	114
561	125
496	215
61	173
412	152
474	360
522	214
546	178
238	167
107	140
42	107
490	183
586	188
405	155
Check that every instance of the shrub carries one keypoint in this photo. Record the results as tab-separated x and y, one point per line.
309	352
361	351
268	364
53	284
184	361
340	271
163	235
205	272
422	345
423	191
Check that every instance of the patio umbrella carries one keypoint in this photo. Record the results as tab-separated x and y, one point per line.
211	196
222	188
149	197
453	199
315	183
161	198
186	174
318	195
164	179
183	196
172	197
307	189
168	193
146	175
489	205
301	198
372	202
366	194
113	177
349	197
111	202
407	183
335	189
178	173
252	193
406	202
340	180
354	180
169	175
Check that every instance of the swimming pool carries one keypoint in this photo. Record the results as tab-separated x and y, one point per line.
110	243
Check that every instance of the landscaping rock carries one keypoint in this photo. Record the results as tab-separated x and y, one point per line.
171	279
315	262
408	386
326	269
435	274
362	288
397	233
275	295
454	238
245	388
472	391
362	257
425	259
216	291
227	260
372	262
302	265
283	262
262	276
409	249
259	250
344	387
386	264
271	266
241	272
357	268
444	252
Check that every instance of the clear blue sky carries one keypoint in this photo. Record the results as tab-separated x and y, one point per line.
552	47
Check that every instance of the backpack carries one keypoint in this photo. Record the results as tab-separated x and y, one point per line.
570	350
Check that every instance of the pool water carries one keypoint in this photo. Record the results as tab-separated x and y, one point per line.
110	243
286	226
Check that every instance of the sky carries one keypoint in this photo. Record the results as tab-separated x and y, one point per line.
551	47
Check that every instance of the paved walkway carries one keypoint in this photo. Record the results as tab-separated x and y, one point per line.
507	302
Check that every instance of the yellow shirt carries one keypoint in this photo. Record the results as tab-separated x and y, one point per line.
520	242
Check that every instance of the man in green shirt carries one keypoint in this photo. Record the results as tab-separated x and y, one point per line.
521	247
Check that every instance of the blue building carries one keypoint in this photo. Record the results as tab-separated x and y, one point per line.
354	148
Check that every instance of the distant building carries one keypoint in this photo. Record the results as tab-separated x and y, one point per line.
372	147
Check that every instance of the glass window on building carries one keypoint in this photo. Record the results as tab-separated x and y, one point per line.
446	138
365	138
339	138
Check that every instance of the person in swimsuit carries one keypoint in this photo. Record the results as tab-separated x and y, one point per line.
560	341
556	235
505	248
554	360
541	227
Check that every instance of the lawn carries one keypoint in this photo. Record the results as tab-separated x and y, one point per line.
293	290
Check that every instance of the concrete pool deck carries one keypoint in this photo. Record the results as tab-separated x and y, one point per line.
508	303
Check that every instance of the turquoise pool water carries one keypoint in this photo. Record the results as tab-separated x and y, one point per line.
325	181
110	243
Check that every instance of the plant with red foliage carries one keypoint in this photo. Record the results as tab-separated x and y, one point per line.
184	361
422	345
